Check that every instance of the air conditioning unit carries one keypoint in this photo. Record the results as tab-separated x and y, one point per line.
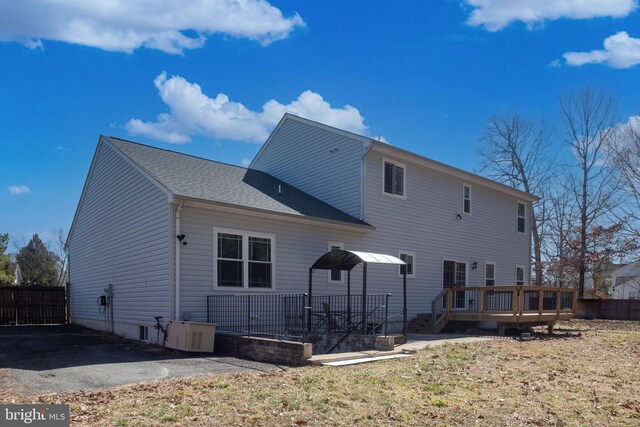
191	336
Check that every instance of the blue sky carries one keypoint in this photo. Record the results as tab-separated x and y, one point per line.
425	76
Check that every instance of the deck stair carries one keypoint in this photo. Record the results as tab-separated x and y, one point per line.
421	324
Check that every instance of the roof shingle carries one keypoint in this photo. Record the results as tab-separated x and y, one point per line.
203	179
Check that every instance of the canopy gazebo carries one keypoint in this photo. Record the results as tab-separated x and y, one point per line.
343	260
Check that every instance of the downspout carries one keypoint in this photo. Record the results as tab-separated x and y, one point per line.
178	244
363	175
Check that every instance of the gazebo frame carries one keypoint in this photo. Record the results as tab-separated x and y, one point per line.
343	260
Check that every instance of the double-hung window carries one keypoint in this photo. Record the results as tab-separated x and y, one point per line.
466	199
519	275
410	259
335	276
489	274
244	260
521	217
394	178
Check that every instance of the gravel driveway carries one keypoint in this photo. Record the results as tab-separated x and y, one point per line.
36	359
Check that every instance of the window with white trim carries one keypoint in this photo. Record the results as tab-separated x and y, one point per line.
410	259
335	276
633	295
489	274
466	198
519	275
521	217
393	178
244	260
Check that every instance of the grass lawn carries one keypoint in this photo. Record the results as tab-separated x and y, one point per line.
586	374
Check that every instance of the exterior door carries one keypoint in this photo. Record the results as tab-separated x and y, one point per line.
454	275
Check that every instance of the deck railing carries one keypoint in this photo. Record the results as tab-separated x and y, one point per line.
515	304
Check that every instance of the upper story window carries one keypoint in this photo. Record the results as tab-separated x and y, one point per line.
410	259
521	217
489	274
519	275
335	276
244	260
466	198
394	178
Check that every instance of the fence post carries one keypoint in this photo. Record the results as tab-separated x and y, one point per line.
248	315
386	314
68	295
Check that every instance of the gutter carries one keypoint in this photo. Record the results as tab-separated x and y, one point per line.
178	244
363	169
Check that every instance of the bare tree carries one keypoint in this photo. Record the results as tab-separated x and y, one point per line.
556	248
517	152
589	118
627	162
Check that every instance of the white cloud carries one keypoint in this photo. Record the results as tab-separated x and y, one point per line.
125	25
245	162
18	189
620	51
194	113
495	15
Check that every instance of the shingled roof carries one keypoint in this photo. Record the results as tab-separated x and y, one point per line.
207	180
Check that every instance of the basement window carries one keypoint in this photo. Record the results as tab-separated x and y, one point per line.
144	333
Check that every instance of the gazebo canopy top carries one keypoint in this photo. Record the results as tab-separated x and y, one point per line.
340	259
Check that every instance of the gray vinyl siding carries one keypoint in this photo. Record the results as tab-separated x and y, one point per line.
426	223
299	154
297	246
121	236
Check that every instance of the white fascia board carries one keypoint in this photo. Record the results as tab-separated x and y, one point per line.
390	150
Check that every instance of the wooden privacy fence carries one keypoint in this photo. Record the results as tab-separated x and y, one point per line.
612	309
33	305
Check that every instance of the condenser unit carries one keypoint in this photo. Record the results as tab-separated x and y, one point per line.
191	336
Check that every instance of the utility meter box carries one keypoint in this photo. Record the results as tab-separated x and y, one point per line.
191	336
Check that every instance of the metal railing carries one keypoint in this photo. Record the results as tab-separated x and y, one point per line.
288	315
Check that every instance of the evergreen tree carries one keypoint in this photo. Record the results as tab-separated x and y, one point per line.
38	264
5	275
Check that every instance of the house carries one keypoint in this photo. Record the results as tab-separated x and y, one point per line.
625	281
14	270
166	229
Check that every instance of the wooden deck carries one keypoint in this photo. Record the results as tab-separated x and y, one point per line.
506	305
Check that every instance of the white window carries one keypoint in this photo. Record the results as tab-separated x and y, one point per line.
521	217
489	274
244	260
519	275
410	259
633	295
336	276
394	178
466	199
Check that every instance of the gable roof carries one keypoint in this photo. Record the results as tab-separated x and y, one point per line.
406	155
206	180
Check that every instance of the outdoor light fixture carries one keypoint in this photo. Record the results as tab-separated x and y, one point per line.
474	265
459	216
